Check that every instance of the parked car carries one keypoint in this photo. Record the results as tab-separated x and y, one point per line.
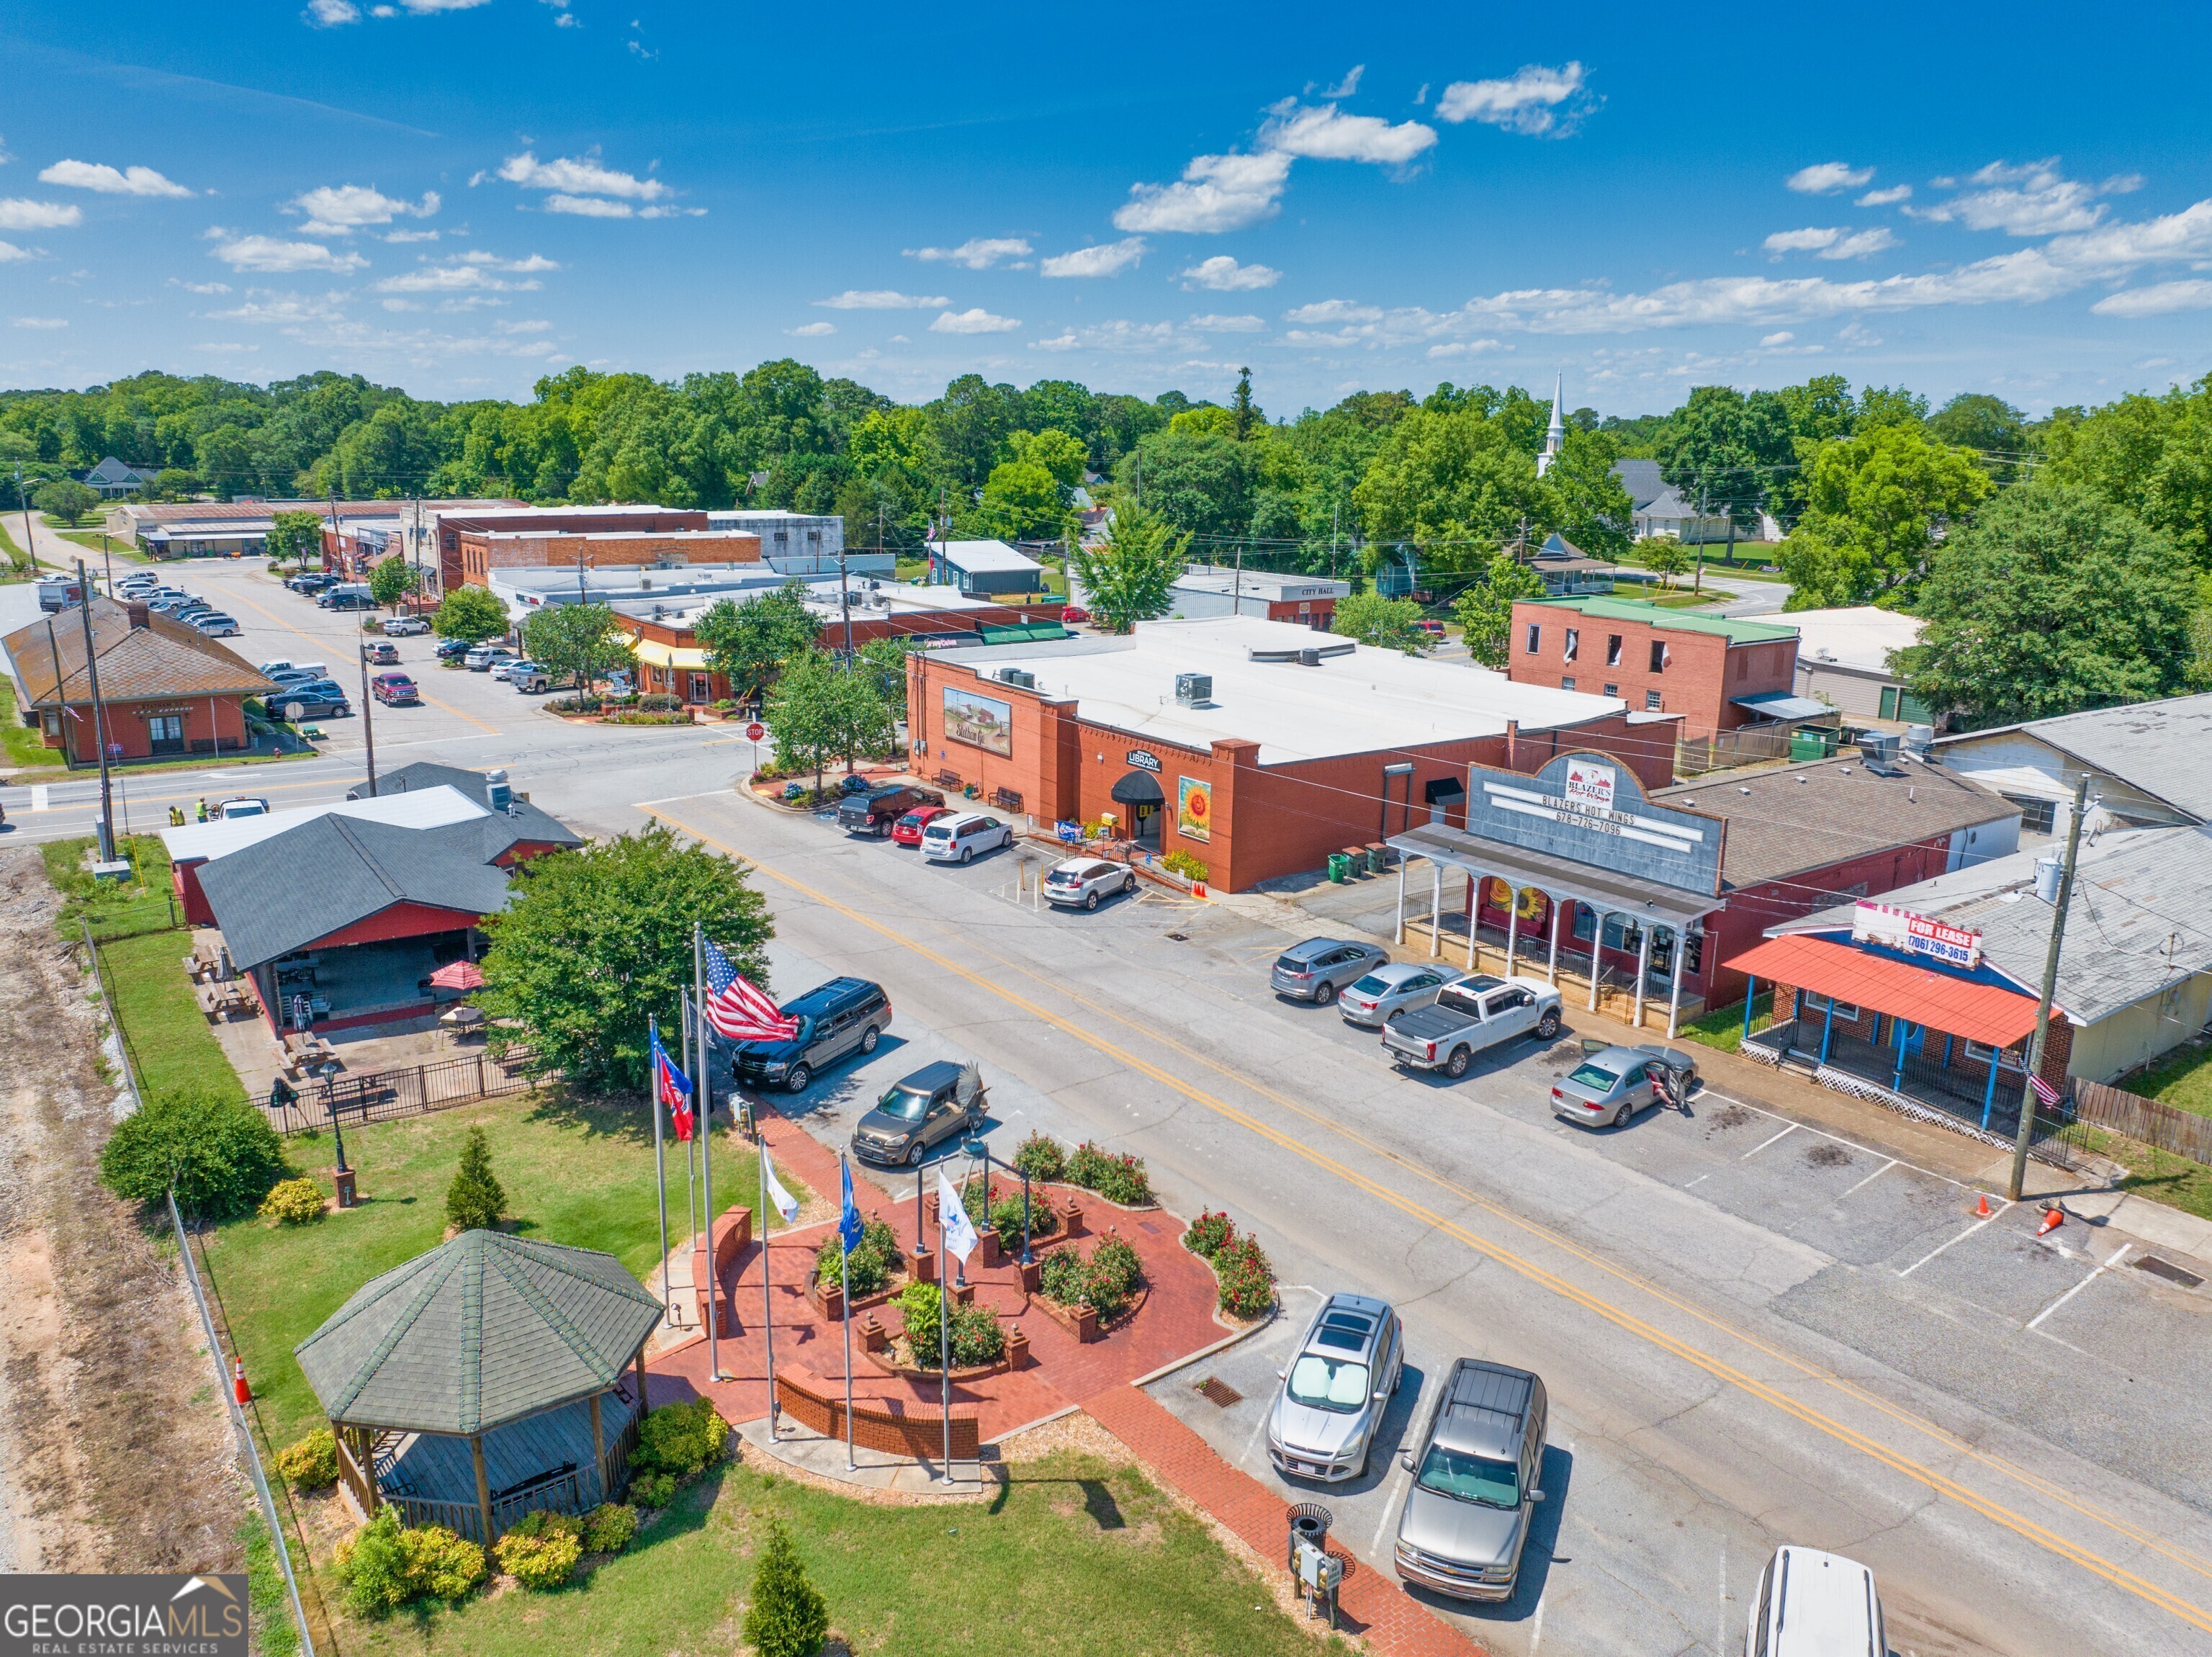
313	703
876	810
1335	1389
1614	1083
313	581
1074	612
241	805
216	624
835	1020
170	604
136	584
312	669
405	626
1468	1016
1316	970
480	658
395	691
346	595
453	649
1393	988
1811	1604
503	669
906	832
1431	626
918	1113
1475	1470
530	678
958	836
1087	880
379	653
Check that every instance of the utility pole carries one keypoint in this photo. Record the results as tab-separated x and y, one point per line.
368	723
30	548
107	553
1237	597
98	721
1335	508
2049	990
1698	582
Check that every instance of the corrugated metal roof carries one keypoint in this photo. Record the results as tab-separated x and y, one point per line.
2164	748
484	1330
1960	1007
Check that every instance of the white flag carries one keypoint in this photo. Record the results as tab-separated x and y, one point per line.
959	1230
786	1203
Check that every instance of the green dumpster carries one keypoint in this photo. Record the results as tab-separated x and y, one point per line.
1339	866
1378	859
1816	742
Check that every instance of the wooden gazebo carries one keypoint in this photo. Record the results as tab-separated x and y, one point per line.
489	1377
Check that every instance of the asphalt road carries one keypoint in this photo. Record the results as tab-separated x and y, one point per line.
1752	1332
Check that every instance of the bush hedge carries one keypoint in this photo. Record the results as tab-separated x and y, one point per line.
385	1565
220	1150
1208	1235
295	1202
1118	1177
1040	1156
974	1335
871	1263
1105	1280
629	717
786	1616
680	1438
659	702
1183	863
653	1489
310	1463
1247	1282
1006	1219
540	1549
609	1527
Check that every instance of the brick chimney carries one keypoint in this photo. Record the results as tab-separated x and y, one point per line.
139	614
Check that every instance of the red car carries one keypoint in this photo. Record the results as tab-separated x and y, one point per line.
395	690
1074	612
906	832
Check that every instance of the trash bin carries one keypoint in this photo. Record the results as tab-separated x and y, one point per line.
1339	866
1378	857
1310	1522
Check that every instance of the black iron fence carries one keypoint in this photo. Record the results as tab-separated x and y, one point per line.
380	1095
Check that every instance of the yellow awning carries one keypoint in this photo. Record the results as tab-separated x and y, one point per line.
654	654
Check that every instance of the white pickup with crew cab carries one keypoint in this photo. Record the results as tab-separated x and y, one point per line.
1468	1016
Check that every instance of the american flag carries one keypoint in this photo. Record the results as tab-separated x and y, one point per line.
2045	1092
738	1009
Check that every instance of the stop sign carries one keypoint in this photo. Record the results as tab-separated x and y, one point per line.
754	731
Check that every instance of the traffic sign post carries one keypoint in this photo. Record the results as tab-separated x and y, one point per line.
754	732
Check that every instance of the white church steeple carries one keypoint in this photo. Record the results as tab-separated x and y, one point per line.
1555	436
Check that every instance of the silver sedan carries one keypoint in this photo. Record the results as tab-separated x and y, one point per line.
1389	991
1612	1084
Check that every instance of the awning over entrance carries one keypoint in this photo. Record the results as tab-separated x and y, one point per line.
1139	788
1781	705
1980	1012
1601	889
654	654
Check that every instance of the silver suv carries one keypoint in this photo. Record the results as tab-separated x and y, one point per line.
1468	1514
1335	1390
1316	970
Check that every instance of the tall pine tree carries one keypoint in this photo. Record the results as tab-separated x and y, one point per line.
475	1200
787	1616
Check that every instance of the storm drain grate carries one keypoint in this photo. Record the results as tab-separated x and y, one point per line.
1215	1390
2171	1273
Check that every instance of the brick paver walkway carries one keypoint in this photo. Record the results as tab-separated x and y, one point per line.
1369	1603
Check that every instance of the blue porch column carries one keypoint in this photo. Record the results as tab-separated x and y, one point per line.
1750	995
1990	1092
1827	1029
1897	1084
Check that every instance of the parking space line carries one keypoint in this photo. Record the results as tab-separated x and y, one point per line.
328	644
1940	1247
2078	1288
1876	1175
1764	1143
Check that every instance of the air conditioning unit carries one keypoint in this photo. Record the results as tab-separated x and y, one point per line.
1194	690
1017	676
1310	657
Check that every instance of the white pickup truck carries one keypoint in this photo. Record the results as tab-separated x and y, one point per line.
1468	1016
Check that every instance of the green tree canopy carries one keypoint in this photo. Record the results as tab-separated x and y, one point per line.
1063	456
749	642
1392	623
582	641
1455	481
66	499
819	710
1199	481
390	582
2054	601
295	534
1021	501
1130	576
1876	504
472	613
598	939
216	1149
1726	449
1485	610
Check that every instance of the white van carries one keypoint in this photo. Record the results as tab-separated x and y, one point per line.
1811	1604
957	837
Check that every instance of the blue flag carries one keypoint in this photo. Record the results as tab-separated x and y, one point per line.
848	1222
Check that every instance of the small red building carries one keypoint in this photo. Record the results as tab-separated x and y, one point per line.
1717	671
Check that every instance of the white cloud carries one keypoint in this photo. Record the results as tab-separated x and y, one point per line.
333	14
1124	337
1109	259
2160	299
1349	84
1782	338
1800	242
109	181
266	305
17	213
10	252
579	176
1325	134
812	330
201	287
1535	100
339	210
1216	194
977	254
1463	348
1334	310
268	254
1895	193
1860	243
226	349
1829	242
41	322
589	207
882	299
1826	178
1213	323
410	235
977	321
1224	275
2030	200
463	277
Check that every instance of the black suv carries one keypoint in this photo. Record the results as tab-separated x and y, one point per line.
841	1017
918	1113
874	812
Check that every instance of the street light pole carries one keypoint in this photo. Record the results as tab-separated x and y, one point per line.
2049	990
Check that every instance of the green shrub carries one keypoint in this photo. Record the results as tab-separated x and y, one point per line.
660	702
1040	1157
609	1527
384	1565
1247	1283
976	1335
1062	1276
221	1151
1183	863
1006	1219
475	1200
540	1551
788	1615
976	1196
651	1490
310	1463
440	1564
1208	1235
680	1438
295	1202
1118	1265
1104	1280
872	1264
1117	1177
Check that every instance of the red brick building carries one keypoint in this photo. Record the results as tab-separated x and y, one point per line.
1712	670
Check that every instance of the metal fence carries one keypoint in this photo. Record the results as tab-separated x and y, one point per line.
2182	1132
380	1095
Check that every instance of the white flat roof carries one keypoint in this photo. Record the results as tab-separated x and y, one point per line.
975	556
906	598
1357	702
418	808
1859	636
552	530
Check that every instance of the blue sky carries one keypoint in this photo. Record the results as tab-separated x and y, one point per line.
457	198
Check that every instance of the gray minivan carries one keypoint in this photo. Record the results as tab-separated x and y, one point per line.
1467	1515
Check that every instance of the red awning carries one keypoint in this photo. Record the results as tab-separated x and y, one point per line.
1957	1007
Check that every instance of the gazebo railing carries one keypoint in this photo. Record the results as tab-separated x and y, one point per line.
462	1518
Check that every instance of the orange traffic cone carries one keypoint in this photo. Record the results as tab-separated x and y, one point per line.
1982	1207
2053	1217
238	1381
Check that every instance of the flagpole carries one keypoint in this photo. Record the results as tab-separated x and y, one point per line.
661	1170
704	1083
845	1272
691	1157
944	1352
767	1292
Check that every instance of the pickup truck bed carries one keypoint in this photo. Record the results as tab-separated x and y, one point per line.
1468	1017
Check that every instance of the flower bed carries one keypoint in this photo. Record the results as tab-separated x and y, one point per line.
1244	1280
1090	1294
874	1269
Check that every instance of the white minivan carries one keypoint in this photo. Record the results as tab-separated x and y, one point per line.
1811	1604
957	838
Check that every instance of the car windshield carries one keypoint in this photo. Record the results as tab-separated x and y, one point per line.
904	1104
910	820
1290	963
1373	985
1483	1480
1595	1077
939	830
1320	1383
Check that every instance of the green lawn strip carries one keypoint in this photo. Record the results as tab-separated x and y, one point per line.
25	746
580	1173
1722	1026
2182	1079
274	1633
114	907
2156	1175
172	1045
1076	1558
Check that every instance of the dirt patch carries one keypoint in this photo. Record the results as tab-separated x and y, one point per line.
118	1455
1728	1116
1828	1154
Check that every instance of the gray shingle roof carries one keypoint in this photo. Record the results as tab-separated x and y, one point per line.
2141	918
526	822
1641	479
2164	748
484	1330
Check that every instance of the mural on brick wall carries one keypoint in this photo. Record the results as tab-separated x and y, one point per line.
980	721
1193	808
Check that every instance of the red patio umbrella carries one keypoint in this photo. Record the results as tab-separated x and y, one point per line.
458	975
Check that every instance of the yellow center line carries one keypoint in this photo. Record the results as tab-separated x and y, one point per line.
324	644
1619	1317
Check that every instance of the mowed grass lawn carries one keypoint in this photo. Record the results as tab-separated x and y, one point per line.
1076	1557
580	1173
2182	1079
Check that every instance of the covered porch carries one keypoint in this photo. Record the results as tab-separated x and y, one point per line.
1657	927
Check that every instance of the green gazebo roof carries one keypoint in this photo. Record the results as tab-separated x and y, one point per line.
484	1330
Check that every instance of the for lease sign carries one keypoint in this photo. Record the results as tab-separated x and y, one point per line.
1916	934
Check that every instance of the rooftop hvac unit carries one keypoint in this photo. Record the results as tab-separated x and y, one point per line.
1879	750
1310	657
1020	676
1193	689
